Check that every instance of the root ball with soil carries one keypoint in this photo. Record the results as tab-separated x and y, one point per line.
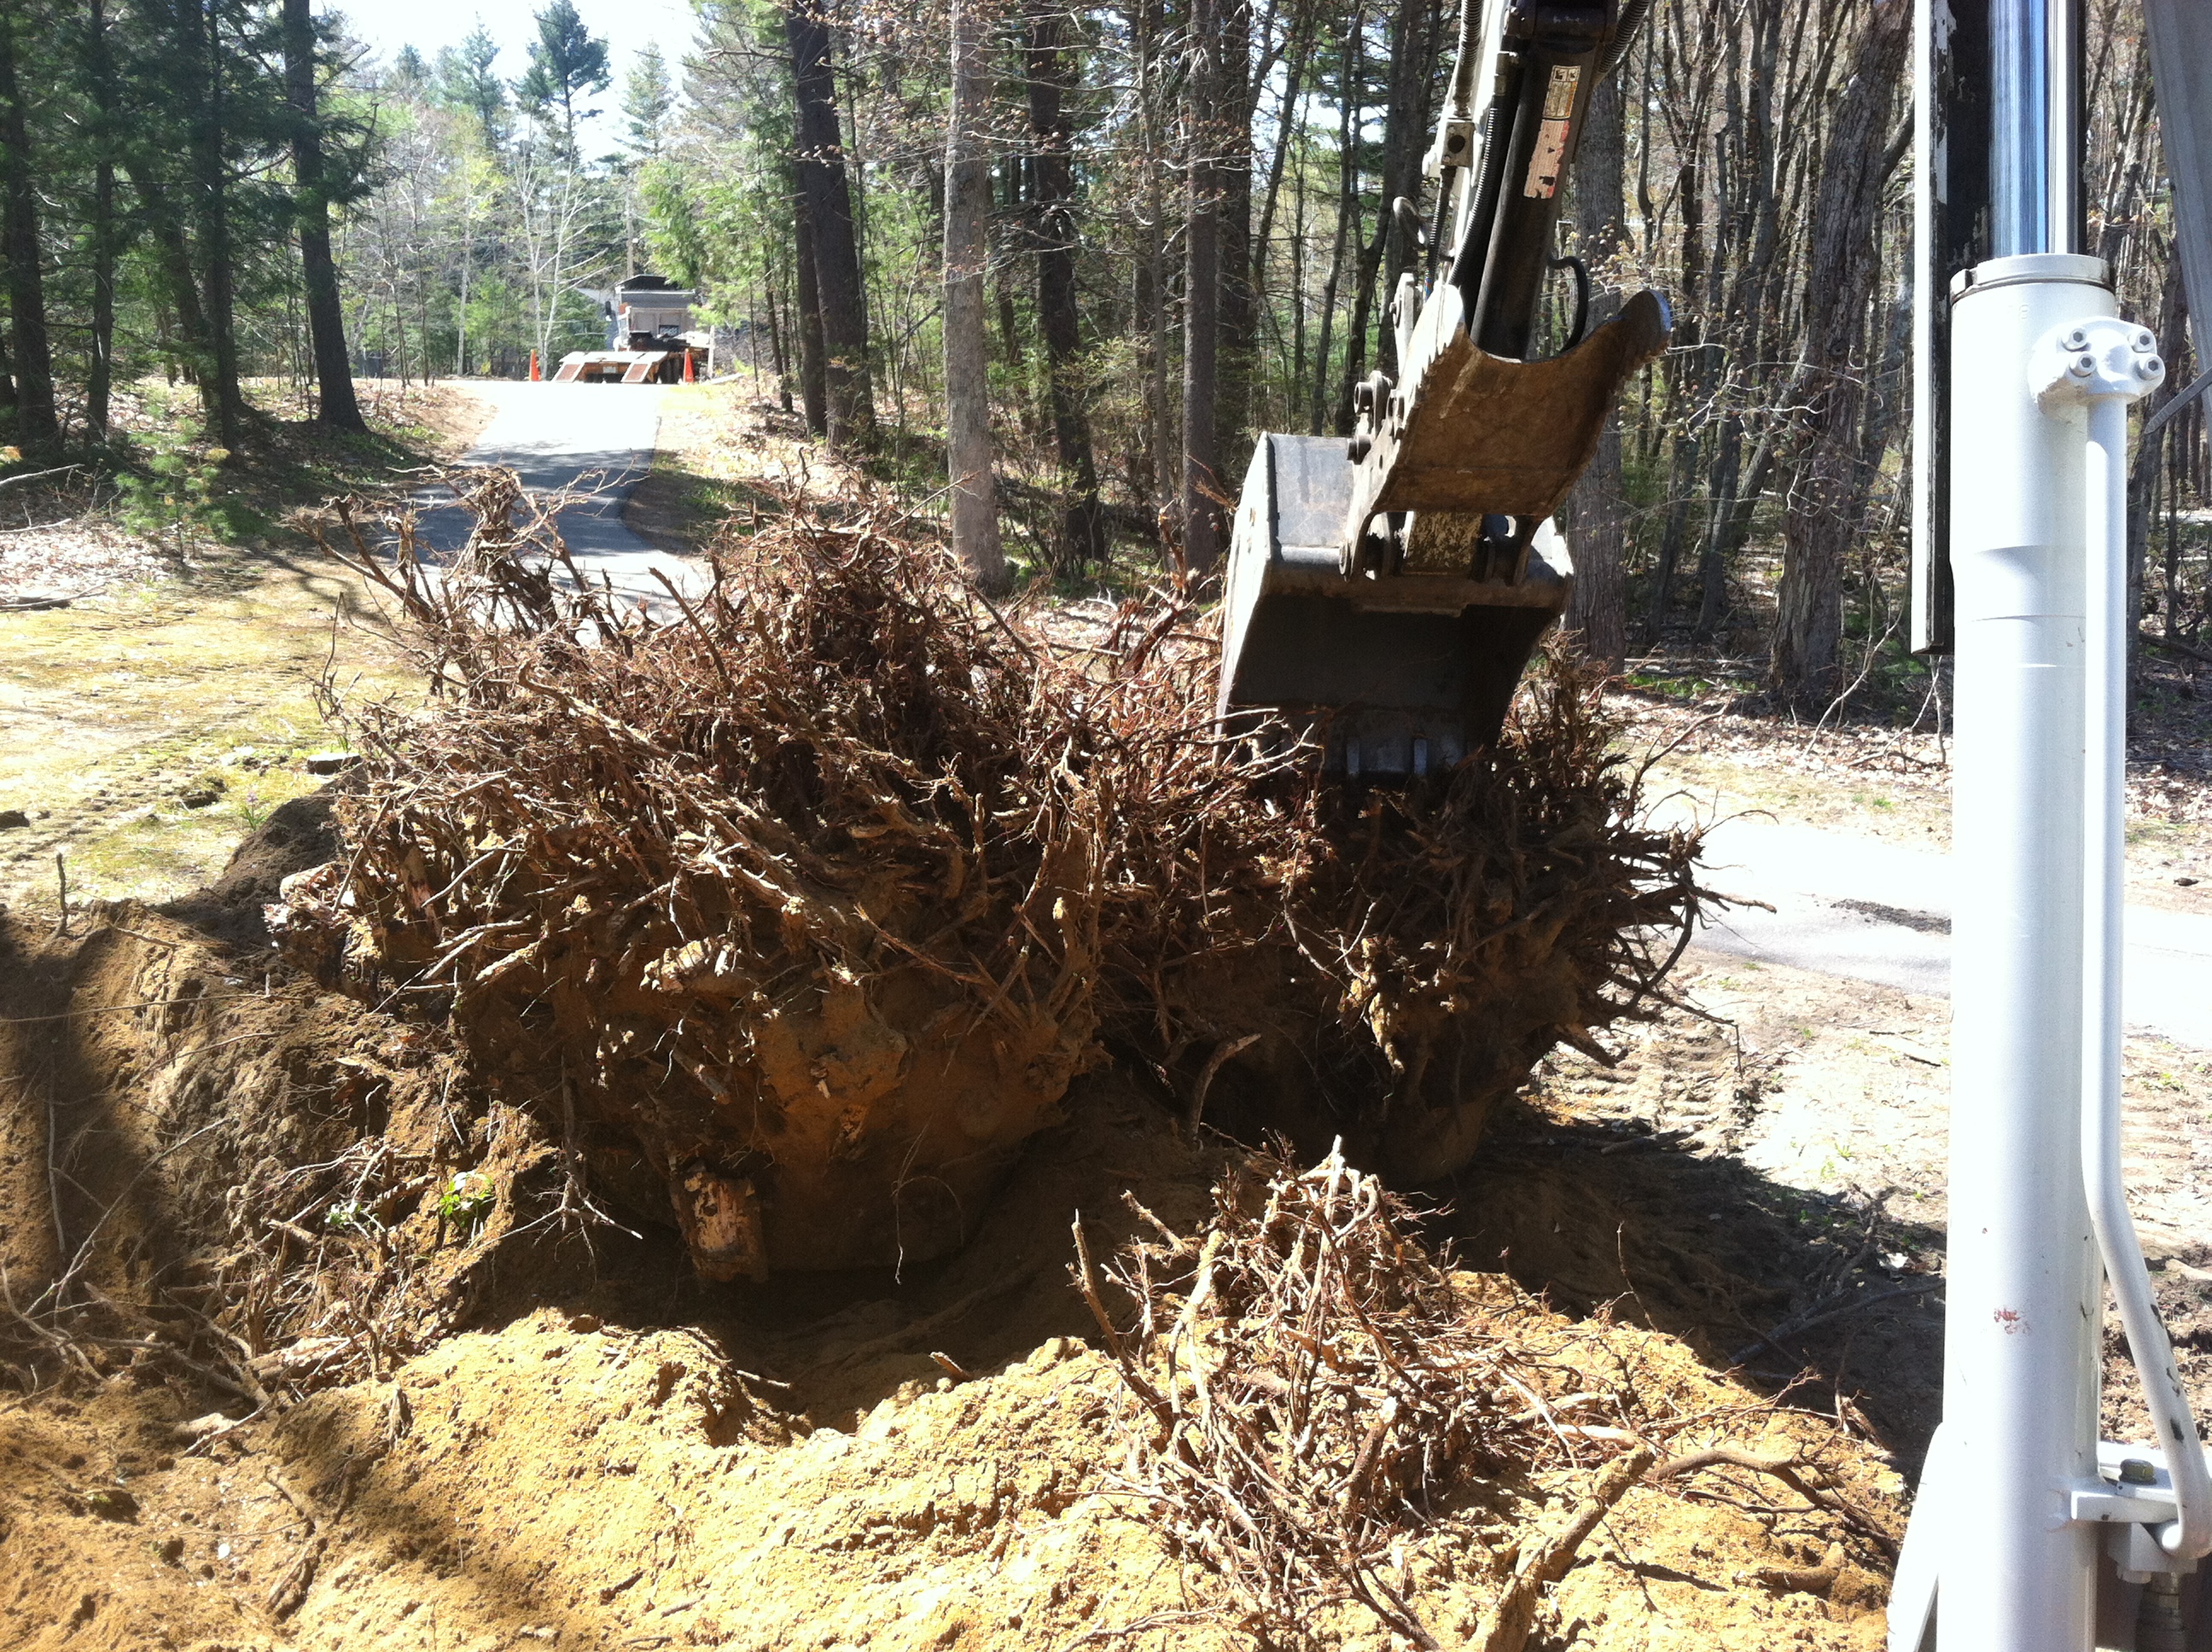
797	902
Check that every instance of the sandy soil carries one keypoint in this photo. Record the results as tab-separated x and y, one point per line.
603	1453
1764	1177
598	1451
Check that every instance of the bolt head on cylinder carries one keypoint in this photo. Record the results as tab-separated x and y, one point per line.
2073	366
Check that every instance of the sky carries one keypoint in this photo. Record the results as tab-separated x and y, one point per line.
427	25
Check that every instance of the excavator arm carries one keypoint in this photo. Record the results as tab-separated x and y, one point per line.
1385	593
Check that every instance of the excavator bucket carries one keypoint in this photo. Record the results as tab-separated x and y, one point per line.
1385	592
1385	679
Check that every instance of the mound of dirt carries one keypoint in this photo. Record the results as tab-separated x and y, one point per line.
559	1483
598	1486
278	1383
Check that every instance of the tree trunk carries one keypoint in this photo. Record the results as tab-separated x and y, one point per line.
967	355
1598	509
175	260
1286	128
1722	485
7	359
2142	471
99	373
1010	346
211	180
1083	518
1682	475
335	403
813	371
1237	349
1415	46
1167	472
778	345
1201	296
850	399
1834	475
1347	216
37	426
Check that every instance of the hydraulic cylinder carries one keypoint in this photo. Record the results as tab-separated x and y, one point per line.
2025	1308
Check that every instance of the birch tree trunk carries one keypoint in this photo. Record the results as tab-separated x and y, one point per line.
967	352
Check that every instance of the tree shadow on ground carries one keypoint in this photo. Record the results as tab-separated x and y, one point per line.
1791	1290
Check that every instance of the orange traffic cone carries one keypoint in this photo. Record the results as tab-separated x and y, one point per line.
690	369
535	376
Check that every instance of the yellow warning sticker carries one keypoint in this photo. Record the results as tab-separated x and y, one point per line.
1550	157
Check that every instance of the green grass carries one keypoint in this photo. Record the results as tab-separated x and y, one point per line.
162	848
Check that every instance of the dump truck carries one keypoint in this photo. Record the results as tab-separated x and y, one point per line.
650	340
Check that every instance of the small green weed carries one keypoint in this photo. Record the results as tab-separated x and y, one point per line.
467	1202
351	1217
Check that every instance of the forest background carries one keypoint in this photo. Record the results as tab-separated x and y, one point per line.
1157	227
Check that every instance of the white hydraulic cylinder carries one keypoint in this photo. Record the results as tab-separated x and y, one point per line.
2025	1309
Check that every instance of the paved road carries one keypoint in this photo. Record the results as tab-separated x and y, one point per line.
1870	911
598	438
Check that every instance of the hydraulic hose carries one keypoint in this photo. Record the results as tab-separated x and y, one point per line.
1624	35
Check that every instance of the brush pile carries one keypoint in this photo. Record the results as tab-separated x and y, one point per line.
1315	1390
798	902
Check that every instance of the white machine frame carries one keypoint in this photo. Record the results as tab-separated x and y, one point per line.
2019	1496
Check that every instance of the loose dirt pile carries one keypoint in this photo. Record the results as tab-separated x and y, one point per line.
800	908
1328	1415
603	1454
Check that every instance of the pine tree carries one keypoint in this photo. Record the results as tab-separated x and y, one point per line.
325	321
566	62
839	290
647	102
464	79
36	425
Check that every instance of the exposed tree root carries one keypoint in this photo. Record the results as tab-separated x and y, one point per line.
803	903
